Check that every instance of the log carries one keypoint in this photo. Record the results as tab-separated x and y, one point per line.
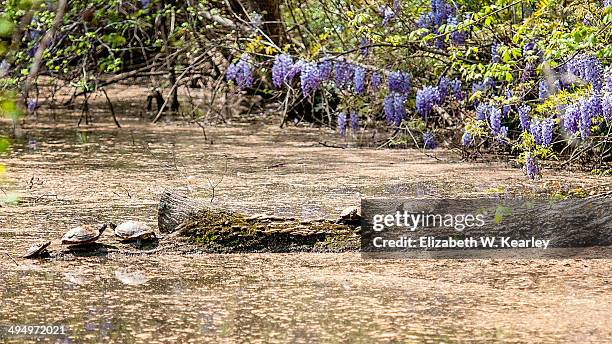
568	226
220	230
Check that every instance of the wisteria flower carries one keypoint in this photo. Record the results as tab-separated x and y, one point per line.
244	72
325	68
571	118
457	36
32	105
467	139
359	80
495	120
400	111
342	124
310	78
548	125
495	58
343	74
429	141
483	111
606	106
399	82
531	167
535	130
375	81
387	13
389	108
294	71
523	112
588	68
354	122
502	138
230	73
543	90
280	69
590	108
426	98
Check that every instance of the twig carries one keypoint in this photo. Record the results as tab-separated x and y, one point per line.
13	259
112	109
44	43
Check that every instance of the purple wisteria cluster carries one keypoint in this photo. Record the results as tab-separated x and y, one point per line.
523	113
346	75
493	116
387	13
375	81
495	58
399	82
588	68
608	78
441	13
429	140
342	124
343	74
281	68
457	36
429	96
393	106
531	166
359	80
467	139
579	117
241	72
310	78
606	106
448	87
353	123
426	98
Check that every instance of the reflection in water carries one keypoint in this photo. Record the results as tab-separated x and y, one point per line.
130	278
311	298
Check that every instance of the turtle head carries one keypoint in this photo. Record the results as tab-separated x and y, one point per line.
103	228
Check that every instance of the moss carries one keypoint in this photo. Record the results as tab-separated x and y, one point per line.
219	231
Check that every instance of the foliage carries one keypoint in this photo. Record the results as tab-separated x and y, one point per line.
527	77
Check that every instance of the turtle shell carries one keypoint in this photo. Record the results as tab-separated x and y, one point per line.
36	249
350	213
133	230
83	234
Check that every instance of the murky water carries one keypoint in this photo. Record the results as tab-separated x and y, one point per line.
66	176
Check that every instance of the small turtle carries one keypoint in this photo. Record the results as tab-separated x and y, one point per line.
83	234
133	230
349	215
37	250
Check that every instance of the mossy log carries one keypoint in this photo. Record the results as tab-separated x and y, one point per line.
218	230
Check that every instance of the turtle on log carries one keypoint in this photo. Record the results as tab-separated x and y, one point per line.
133	230
84	234
37	249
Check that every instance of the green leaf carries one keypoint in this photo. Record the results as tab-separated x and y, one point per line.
5	144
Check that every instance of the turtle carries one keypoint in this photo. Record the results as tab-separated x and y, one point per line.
350	215
133	230
84	234
37	249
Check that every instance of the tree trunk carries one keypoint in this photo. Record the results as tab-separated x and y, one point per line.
271	15
219	230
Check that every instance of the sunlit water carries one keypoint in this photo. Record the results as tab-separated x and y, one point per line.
66	176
